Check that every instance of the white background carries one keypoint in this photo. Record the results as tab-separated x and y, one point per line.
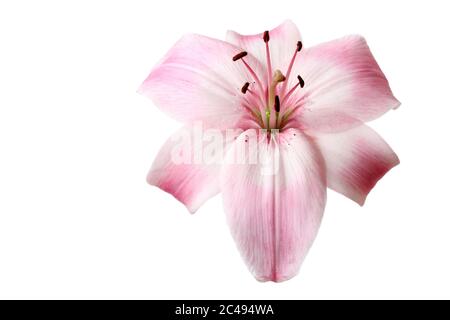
77	219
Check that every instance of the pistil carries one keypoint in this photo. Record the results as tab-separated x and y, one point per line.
277	78
272	101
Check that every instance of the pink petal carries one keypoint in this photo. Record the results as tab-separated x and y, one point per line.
198	80
282	44
344	86
355	159
274	215
183	169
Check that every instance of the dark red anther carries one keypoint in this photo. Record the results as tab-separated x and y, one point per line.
240	55
301	81
245	87
299	46
266	37
277	104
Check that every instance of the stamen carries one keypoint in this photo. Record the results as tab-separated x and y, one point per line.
240	55
277	104
266	38
277	110
300	83
245	87
257	98
291	64
255	77
253	100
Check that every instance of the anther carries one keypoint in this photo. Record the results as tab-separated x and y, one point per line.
266	37
239	55
277	104
245	87
288	73
301	81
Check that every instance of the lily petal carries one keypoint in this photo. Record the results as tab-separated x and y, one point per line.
274	206
197	80
186	166
282	44
355	159
344	86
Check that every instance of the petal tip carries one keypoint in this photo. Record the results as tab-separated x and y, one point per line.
151	180
275	279
145	87
361	200
140	90
357	38
231	33
278	277
288	22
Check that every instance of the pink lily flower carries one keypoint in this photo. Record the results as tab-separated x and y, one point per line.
313	102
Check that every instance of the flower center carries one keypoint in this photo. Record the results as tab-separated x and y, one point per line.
271	105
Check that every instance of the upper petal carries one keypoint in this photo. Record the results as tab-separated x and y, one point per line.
355	159
198	80
274	195
282	44
188	165
344	86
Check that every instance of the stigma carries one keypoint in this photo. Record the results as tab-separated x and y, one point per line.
277	78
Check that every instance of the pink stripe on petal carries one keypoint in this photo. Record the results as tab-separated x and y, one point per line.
274	207
356	160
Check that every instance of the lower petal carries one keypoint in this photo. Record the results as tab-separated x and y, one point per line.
188	165
274	194
355	159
